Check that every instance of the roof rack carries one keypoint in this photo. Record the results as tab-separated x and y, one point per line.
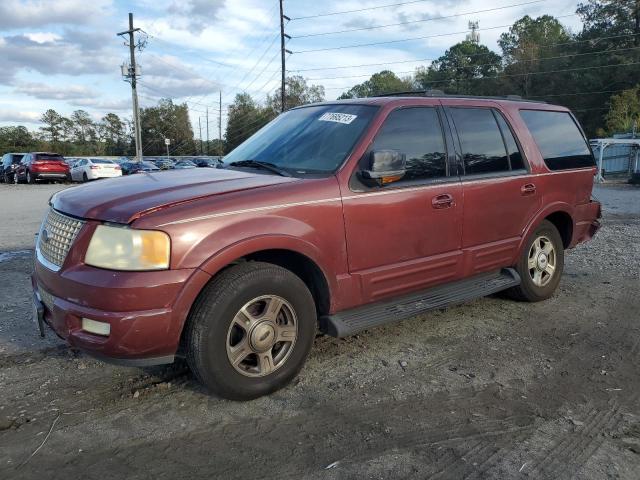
441	94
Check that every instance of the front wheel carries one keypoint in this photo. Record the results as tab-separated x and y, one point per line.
30	178
540	265
250	331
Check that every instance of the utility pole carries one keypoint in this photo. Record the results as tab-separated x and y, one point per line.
200	128
283	51
220	126
131	72
207	130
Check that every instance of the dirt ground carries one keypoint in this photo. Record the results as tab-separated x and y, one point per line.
492	389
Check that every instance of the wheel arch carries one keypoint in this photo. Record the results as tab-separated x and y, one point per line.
558	213
293	254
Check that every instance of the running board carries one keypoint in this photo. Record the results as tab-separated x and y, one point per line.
348	322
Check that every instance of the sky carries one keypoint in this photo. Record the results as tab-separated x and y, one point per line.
65	54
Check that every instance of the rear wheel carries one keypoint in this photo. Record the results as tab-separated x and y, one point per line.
540	265
250	331
84	177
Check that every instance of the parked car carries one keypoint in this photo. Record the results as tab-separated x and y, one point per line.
129	168
207	162
338	216
41	166
181	165
94	168
164	164
8	165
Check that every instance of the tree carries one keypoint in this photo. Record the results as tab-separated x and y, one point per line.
245	118
524	46
113	134
619	20
624	112
167	120
458	69
297	93
16	138
53	125
84	130
382	82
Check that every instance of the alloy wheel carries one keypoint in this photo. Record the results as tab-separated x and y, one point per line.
262	335
541	262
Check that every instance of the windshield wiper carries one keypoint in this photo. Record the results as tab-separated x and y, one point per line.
258	164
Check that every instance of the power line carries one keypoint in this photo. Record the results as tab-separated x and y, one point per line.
557	57
358	10
338	67
423	37
410	22
515	74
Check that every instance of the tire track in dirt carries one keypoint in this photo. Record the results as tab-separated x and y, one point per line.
570	451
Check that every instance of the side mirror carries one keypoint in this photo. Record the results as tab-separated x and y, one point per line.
385	166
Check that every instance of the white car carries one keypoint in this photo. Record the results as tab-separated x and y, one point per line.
94	168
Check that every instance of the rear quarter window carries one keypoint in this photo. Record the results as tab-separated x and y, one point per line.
559	139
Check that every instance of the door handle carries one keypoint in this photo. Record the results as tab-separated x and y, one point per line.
528	189
442	201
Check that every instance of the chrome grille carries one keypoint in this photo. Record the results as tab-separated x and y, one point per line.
46	298
56	236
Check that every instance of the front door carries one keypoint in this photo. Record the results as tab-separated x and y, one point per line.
406	235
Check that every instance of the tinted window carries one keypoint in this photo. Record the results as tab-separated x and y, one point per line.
482	146
559	139
102	162
49	158
515	157
417	133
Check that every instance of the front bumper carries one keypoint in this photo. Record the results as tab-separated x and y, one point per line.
145	310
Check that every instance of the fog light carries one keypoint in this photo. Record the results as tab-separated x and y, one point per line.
99	328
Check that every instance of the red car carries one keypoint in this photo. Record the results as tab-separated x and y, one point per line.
41	166
337	216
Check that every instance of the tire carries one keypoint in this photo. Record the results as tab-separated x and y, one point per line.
16	178
84	177
537	283
214	334
30	178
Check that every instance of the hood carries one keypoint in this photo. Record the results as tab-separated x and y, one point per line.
124	199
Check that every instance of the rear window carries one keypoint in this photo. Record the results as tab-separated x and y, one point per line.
559	139
101	162
49	157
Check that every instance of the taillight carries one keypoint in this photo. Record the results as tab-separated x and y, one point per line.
38	162
117	167
94	167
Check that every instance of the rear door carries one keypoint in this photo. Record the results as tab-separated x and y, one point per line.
406	235
500	194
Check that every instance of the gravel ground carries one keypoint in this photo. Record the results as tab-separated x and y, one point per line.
492	389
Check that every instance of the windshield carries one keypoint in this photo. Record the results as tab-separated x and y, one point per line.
313	139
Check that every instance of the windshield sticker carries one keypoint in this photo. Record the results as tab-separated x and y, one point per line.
345	118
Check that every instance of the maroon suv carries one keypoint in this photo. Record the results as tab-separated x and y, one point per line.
41	166
337	216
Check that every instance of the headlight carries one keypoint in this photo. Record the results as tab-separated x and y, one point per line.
122	248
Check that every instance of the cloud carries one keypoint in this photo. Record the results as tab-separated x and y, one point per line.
16	14
200	13
105	105
17	116
51	92
51	56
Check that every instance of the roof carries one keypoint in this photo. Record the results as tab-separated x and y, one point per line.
398	97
